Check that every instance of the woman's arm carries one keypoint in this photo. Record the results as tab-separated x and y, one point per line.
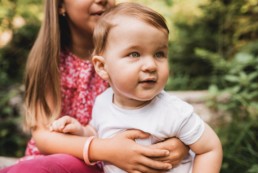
115	150
120	150
49	142
53	142
177	150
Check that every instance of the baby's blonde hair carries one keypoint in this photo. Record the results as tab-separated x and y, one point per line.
124	9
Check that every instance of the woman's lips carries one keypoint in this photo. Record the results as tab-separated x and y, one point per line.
97	13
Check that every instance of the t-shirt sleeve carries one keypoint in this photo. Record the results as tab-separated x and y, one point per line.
191	129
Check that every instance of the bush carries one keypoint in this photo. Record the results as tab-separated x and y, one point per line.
240	141
238	131
12	139
13	57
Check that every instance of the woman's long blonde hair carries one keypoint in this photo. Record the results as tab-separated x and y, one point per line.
42	76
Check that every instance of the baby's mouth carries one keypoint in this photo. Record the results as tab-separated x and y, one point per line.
148	81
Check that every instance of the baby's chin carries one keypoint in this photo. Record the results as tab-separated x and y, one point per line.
144	100
148	96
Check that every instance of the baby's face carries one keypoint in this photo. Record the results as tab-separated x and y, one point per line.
136	60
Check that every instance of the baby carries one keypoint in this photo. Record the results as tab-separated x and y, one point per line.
131	53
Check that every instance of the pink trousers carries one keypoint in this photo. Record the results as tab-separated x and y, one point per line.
56	163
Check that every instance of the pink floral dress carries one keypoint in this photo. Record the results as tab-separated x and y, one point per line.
80	85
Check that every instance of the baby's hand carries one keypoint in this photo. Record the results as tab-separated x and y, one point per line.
67	124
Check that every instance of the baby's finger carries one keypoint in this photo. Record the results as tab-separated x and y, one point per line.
61	122
65	119
56	126
70	128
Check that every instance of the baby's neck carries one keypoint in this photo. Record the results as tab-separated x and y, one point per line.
130	103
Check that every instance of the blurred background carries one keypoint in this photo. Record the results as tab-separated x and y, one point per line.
213	48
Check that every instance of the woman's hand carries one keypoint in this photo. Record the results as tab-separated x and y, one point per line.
178	150
122	151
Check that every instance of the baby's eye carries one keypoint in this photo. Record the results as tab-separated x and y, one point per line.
134	54
160	55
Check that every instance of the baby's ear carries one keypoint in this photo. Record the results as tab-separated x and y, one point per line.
99	65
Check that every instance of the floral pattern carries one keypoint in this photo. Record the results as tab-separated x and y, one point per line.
80	85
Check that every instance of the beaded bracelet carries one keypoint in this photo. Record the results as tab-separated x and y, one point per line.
86	151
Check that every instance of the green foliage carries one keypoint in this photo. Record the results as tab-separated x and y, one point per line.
239	130
13	56
240	80
7	13
240	146
9	9
12	139
253	169
12	61
201	48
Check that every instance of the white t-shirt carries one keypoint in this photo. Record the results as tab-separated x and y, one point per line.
164	117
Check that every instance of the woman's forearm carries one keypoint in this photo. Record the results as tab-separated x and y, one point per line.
178	150
54	142
122	151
